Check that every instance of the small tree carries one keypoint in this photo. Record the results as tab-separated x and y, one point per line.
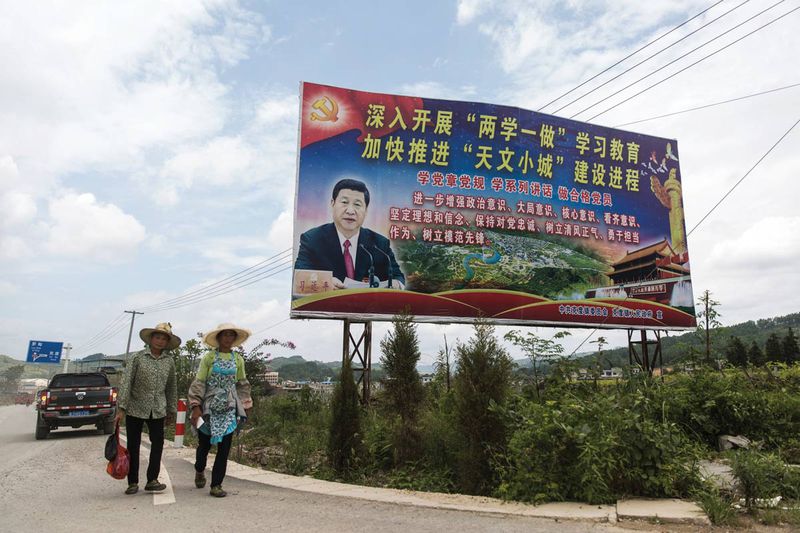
404	392
789	350
256	362
344	438
736	352
773	351
708	320
187	358
599	364
538	349
442	365
482	380
755	356
10	378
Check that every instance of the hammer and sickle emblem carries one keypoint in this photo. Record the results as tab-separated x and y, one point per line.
328	109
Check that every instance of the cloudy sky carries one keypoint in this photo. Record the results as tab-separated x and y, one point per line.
148	149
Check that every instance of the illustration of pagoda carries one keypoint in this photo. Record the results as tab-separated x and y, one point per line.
657	272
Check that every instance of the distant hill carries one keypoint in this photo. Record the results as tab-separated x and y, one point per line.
677	347
32	370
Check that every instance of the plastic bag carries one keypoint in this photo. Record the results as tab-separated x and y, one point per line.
119	466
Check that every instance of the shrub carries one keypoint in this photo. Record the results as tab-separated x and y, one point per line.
596	450
760	475
403	388
344	439
481	381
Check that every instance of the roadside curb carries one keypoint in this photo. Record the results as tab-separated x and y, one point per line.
664	511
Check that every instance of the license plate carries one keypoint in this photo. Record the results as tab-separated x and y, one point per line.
78	413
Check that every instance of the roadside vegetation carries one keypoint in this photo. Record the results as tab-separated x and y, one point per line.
483	427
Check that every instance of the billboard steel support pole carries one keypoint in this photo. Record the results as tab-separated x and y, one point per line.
647	360
361	348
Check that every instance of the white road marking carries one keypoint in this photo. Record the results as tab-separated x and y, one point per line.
167	496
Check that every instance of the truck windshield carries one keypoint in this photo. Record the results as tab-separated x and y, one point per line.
78	380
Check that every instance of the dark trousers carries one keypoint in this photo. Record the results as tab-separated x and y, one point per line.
221	460
155	427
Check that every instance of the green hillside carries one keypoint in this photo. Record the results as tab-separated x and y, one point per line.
677	348
32	370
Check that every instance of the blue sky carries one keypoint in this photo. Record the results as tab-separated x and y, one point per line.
149	149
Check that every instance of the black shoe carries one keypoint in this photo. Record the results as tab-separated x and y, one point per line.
217	492
199	480
154	486
133	488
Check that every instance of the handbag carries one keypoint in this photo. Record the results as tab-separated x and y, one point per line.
111	446
119	466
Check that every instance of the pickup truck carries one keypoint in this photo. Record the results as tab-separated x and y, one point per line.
76	400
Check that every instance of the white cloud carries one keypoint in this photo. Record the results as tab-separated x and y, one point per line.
82	227
280	232
7	288
772	243
469	10
434	89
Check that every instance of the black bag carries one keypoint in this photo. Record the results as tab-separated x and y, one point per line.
111	446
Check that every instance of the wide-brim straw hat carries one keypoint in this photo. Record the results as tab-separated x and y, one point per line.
166	329
242	335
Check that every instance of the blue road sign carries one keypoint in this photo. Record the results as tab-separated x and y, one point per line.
44	352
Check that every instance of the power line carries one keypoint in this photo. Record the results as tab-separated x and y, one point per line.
743	177
662	67
709	105
109	335
225	281
709	212
271	326
217	288
115	322
648	58
282	267
631	55
693	64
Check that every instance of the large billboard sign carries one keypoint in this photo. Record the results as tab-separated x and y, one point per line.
455	210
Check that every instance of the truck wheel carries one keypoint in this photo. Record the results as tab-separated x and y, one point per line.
42	430
109	426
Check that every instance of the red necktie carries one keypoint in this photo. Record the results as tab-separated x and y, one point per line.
348	261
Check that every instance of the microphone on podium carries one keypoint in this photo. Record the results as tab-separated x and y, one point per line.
373	282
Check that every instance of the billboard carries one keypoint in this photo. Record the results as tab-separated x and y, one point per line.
455	210
44	352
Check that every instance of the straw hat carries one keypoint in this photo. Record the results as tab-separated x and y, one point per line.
166	329
242	335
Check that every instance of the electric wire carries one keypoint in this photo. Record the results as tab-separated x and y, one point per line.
743	177
281	267
648	58
225	281
270	326
630	55
88	342
706	106
662	67
109	335
711	210
693	64
215	289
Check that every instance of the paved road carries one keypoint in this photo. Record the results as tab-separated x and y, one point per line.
60	484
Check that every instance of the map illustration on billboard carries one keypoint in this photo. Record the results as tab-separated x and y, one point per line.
457	210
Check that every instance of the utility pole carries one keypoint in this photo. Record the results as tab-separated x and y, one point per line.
133	317
68	349
708	333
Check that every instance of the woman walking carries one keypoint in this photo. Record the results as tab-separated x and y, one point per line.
220	398
148	395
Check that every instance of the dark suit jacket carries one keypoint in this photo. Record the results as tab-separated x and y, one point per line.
320	250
